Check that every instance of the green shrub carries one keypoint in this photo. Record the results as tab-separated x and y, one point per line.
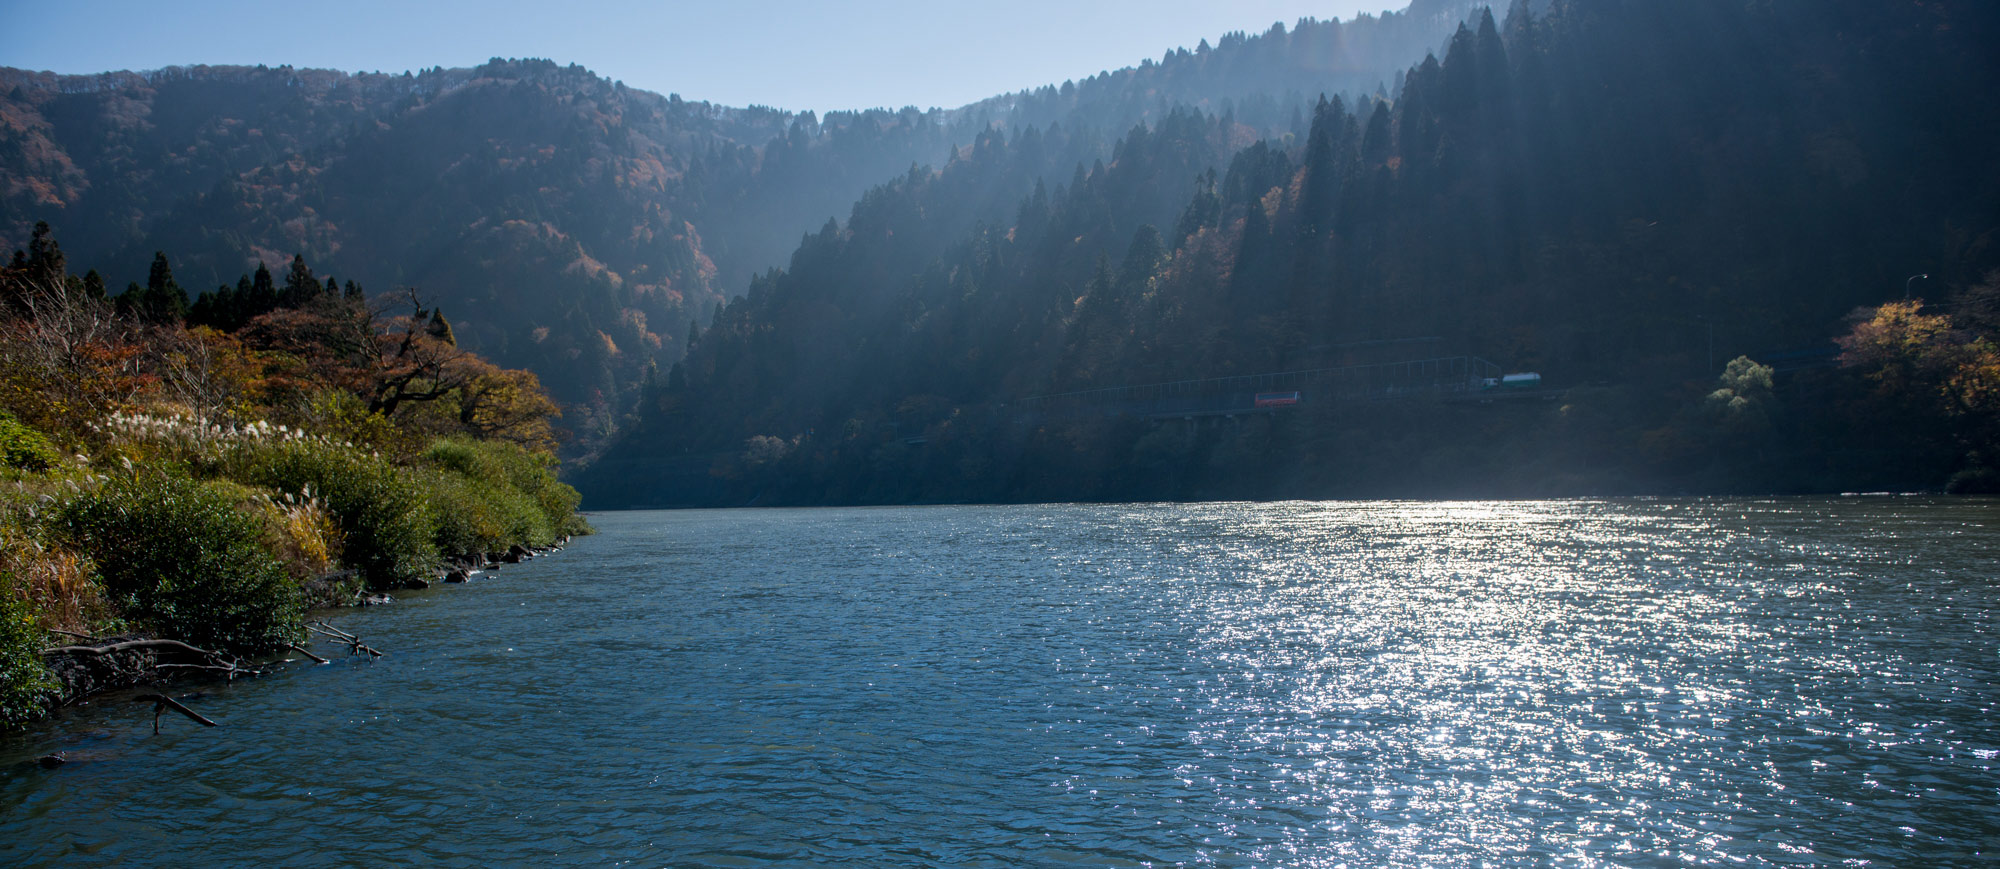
460	528
477	516
25	448
26	687
183	560
511	492
383	511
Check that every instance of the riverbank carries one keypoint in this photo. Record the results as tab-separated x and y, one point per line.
86	666
217	546
210	482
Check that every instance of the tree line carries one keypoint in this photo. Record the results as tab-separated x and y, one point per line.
1619	196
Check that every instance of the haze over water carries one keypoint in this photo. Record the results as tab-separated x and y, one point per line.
1624	683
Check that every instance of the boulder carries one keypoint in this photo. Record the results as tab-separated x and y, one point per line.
457	574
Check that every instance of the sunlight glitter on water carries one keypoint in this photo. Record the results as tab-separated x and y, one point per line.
1301	684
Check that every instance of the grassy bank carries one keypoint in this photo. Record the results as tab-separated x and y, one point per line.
181	482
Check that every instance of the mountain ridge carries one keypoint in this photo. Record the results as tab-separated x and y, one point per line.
571	224
1587	193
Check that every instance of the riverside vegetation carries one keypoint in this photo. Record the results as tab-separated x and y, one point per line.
207	471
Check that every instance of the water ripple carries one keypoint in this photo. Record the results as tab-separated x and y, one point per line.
1588	684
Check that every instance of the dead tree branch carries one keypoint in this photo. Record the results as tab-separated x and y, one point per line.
132	644
354	644
162	703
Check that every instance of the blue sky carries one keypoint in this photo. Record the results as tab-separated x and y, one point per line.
786	53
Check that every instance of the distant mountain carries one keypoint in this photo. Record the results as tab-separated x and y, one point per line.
566	223
554	214
1619	195
1267	81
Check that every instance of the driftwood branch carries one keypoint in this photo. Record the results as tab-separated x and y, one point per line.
72	634
331	631
230	669
214	662
354	644
302	650
162	703
129	644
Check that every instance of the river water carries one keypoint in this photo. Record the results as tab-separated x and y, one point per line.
1625	683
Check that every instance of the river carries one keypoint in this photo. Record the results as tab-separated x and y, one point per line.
1569	683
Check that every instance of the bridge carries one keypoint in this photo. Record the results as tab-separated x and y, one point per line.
1444	377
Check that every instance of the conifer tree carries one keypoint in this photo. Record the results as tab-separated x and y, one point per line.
440	328
163	300
300	285
132	302
45	262
1376	142
263	293
1322	178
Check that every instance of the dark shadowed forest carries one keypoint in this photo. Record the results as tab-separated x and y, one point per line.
1686	218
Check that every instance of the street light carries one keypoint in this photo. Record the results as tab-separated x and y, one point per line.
1913	279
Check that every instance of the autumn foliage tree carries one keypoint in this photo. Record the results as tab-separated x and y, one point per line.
254	351
66	356
1926	364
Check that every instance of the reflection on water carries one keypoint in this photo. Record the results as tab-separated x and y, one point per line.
1564	683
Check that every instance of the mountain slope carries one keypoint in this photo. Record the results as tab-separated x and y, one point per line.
548	209
1618	192
567	223
1267	80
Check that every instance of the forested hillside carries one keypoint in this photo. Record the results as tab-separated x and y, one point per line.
1620	195
1267	81
557	215
568	224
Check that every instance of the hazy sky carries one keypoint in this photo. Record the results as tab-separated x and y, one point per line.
788	53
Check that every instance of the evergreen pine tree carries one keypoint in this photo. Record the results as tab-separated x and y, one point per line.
45	262
207	307
440	328
1322	178
132	302
263	293
164	301
300	285
1376	143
